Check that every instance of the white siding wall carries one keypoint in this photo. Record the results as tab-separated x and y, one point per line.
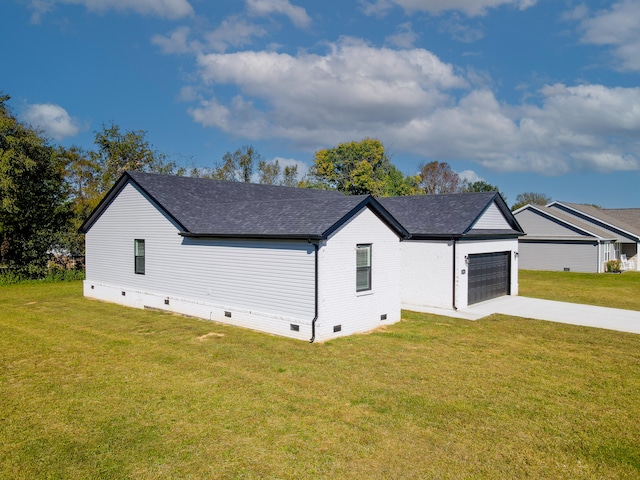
427	273
427	270
265	285
492	218
340	304
533	223
577	257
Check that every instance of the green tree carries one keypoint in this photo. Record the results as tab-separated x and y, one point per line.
532	198
269	172
290	176
481	186
83	177
354	168
118	151
397	184
438	178
237	166
33	196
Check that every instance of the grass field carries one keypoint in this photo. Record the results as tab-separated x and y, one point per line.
93	390
605	290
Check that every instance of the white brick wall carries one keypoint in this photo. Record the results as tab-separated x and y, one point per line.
428	275
340	303
427	272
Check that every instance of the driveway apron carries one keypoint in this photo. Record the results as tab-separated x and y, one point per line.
562	312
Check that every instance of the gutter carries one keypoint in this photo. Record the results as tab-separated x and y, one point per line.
454	273
316	246
252	236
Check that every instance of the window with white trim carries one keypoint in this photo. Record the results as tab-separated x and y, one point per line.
138	251
363	267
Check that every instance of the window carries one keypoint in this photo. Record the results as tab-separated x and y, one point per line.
139	256
363	268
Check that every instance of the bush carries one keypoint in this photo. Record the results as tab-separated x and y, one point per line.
613	266
10	276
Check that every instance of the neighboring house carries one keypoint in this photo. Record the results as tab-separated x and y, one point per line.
301	263
579	238
462	248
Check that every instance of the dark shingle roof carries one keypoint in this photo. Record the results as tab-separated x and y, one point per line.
447	215
204	207
289	217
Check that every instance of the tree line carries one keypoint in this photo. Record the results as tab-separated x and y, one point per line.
48	191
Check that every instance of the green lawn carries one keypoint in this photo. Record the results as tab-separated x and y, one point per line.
93	390
605	290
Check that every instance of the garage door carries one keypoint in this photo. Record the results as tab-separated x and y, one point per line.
489	276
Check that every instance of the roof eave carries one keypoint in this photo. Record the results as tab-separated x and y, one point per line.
596	219
254	236
113	193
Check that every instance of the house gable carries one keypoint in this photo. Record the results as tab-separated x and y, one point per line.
600	219
543	222
472	215
217	209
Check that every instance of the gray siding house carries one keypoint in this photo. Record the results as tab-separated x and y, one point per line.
581	238
462	249
306	264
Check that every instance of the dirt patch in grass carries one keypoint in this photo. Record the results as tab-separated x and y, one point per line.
210	335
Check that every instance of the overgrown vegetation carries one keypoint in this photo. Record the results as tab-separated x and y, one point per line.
51	275
94	390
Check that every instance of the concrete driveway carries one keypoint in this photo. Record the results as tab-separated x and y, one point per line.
562	312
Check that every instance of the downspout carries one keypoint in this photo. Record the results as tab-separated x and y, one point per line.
599	261
315	318
453	240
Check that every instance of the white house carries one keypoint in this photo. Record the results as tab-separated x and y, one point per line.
301	263
462	249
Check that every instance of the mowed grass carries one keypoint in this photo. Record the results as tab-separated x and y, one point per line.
606	290
93	390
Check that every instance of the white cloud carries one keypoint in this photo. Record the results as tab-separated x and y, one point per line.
235	32
52	119
470	176
348	87
232	32
412	100
404	38
617	28
172	9
297	15
469	7
459	31
176	42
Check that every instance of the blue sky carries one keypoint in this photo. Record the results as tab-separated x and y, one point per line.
528	95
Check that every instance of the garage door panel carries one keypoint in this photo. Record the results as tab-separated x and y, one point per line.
489	276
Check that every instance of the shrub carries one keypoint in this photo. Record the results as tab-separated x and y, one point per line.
613	266
9	276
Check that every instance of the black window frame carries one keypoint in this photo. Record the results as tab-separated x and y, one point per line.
367	268
139	258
